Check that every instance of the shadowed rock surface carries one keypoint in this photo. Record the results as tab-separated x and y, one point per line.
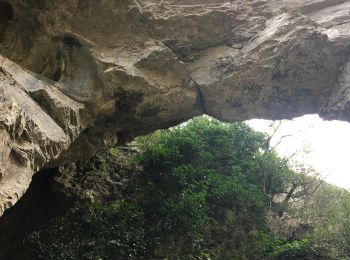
77	76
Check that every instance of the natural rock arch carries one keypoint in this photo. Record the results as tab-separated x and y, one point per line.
76	76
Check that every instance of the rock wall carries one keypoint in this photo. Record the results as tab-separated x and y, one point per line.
77	76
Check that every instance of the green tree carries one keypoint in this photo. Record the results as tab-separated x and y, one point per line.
207	190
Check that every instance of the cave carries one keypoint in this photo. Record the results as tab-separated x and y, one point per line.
6	11
39	204
77	78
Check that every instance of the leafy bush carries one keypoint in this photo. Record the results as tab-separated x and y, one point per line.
293	249
114	231
204	193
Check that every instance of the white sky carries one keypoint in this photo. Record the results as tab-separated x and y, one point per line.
327	144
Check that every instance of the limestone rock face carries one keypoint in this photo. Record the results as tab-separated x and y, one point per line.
77	76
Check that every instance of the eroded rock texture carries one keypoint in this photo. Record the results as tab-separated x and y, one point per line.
76	76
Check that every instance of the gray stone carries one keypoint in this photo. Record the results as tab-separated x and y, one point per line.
78	76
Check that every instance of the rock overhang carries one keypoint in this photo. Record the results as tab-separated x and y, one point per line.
76	76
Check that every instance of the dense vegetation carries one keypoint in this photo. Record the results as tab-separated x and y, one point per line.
205	190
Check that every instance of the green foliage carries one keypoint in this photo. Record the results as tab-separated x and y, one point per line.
114	231
204	193
197	172
328	212
293	249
